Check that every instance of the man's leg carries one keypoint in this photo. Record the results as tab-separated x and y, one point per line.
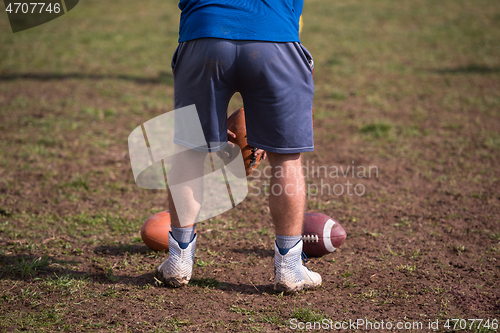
209	88
286	202
185	176
186	182
287	196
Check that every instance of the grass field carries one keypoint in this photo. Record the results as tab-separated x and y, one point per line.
409	88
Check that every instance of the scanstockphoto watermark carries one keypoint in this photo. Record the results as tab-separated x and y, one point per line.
451	324
321	180
358	324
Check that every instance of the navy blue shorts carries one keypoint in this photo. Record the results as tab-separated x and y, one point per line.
274	80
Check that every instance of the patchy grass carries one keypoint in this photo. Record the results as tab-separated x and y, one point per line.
205	282
376	130
306	314
410	87
25	266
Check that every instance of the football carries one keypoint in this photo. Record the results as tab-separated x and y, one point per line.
236	124
154	231
321	235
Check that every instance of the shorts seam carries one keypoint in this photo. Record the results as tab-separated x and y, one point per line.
280	150
200	148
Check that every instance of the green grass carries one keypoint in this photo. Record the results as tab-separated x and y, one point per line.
205	282
67	283
43	320
242	311
306	314
104	225
376	130
26	266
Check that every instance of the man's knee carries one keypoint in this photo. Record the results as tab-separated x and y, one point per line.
286	167
276	159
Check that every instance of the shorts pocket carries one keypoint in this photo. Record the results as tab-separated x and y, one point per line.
175	57
308	56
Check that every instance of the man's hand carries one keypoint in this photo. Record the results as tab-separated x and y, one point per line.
231	135
237	134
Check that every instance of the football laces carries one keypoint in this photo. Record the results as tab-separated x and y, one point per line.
253	158
310	238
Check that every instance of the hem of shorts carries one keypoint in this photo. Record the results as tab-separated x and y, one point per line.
239	38
281	150
201	149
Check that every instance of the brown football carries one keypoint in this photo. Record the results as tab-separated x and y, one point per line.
321	234
236	124
154	231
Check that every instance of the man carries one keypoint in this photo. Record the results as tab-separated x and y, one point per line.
251	47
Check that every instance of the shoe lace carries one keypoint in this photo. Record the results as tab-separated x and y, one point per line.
304	258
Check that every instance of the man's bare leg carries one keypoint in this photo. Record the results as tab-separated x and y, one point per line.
185	176
287	204
287	209
174	218
188	165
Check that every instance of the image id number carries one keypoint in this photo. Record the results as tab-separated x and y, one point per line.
462	324
33	8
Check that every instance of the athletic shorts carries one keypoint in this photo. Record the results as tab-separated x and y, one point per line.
274	80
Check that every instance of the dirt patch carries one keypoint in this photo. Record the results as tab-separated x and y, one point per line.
421	210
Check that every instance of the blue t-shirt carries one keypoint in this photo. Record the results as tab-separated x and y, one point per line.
263	20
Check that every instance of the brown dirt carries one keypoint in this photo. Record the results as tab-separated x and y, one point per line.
420	247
